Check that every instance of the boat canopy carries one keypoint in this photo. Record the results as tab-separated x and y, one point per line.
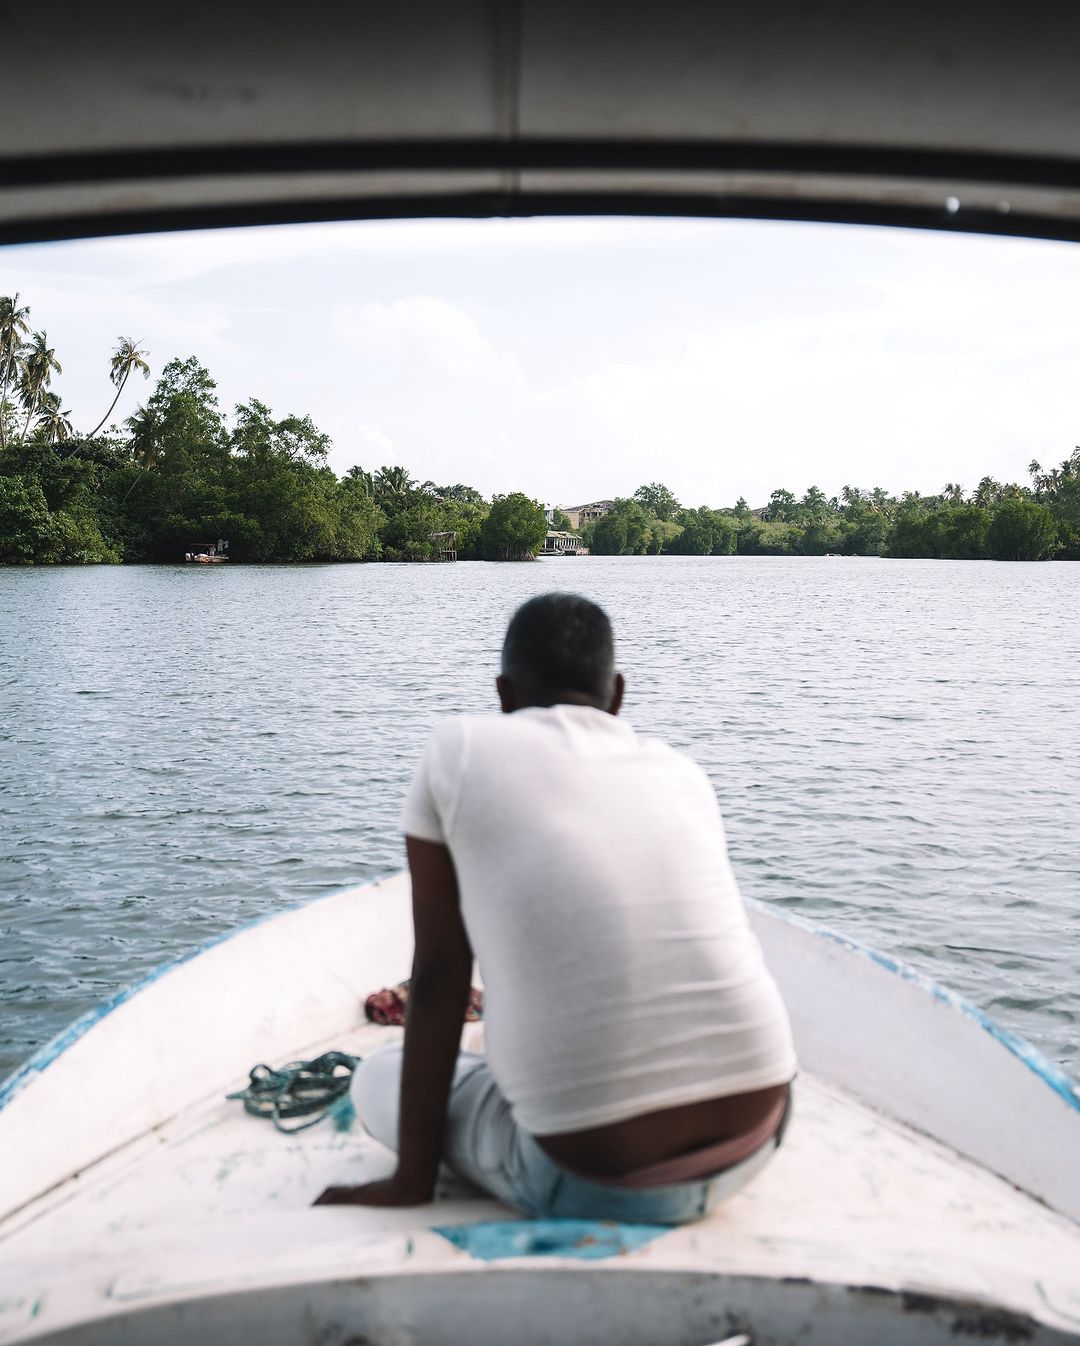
961	116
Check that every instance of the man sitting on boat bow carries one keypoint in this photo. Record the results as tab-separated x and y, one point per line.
638	1055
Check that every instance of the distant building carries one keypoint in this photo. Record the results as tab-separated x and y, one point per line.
580	515
563	544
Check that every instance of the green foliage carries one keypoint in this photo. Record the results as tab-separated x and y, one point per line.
821	537
814	508
514	530
406	536
704	532
1022	530
77	540
662	535
359	523
764	537
628	529
864	535
865	521
658	501
461	495
695	537
1066	510
608	535
393	488
1059	490
26	532
560	522
913	533
961	532
782	507
32	533
637	521
182	472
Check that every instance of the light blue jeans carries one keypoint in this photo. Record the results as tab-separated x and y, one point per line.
486	1146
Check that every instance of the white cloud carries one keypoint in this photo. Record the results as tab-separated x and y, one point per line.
577	358
425	335
356	444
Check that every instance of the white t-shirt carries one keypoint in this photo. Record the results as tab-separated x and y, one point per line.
620	972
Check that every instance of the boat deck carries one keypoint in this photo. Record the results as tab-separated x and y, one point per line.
138	1204
216	1197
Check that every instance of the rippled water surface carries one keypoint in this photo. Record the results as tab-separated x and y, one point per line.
893	744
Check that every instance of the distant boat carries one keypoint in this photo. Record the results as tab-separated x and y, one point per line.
206	554
928	1189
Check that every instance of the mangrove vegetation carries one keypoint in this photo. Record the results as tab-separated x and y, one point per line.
177	469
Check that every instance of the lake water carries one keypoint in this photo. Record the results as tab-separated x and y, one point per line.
894	745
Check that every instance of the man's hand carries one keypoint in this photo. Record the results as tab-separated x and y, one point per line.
438	994
393	1191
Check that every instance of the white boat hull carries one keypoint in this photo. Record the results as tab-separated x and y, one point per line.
928	1185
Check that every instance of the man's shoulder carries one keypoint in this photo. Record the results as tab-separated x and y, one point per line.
672	759
472	735
453	735
455	728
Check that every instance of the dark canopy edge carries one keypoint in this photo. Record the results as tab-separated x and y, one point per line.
647	156
521	206
791	170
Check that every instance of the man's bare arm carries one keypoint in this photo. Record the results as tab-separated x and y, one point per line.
438	992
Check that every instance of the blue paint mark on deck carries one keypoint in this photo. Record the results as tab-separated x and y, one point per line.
588	1240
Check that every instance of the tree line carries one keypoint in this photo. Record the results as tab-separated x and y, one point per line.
996	521
178	472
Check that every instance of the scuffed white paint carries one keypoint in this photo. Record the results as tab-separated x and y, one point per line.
164	1194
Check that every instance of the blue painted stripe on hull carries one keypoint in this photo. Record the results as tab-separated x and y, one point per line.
46	1055
1050	1074
586	1240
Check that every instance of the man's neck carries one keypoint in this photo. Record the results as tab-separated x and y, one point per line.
562	699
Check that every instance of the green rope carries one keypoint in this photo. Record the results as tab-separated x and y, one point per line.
306	1089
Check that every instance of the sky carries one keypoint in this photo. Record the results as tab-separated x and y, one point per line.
577	359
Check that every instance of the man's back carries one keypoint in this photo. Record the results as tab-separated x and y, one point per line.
620	972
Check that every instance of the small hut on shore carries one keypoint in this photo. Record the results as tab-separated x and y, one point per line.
445	544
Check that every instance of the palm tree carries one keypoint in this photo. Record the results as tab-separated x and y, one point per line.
126	357
54	420
37	365
392	483
987	493
144	427
953	493
13	327
881	502
364	479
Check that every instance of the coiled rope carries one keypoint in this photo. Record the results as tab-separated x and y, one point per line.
307	1089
